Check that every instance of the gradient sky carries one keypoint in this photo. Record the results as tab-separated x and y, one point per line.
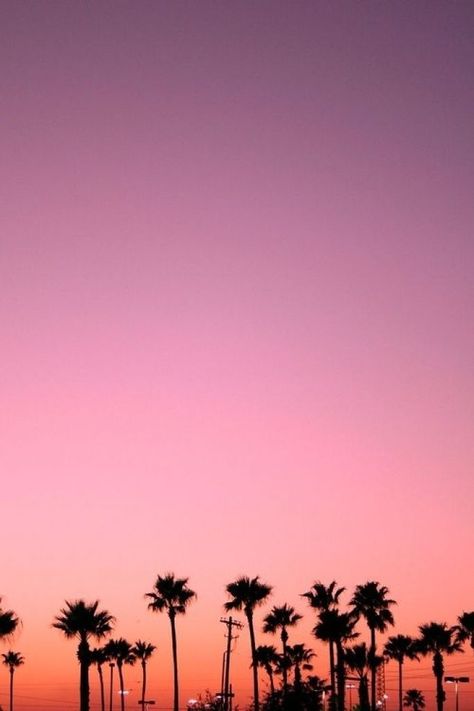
236	316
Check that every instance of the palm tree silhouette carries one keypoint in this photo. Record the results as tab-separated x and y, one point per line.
465	628
171	595
338	628
279	619
356	659
12	660
437	639
268	658
122	652
371	602
414	699
143	652
322	597
98	656
8	622
399	648
299	656
84	621
247	594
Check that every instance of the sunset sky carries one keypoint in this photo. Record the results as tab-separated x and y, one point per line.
236	264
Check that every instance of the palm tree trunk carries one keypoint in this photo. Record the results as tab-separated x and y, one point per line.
332	672
111	687
270	677
284	639
254	661
122	695
143	683
84	661
341	678
400	690
101	683
175	661
438	669
12	671
364	694
373	671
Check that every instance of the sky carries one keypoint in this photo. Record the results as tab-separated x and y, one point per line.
236	261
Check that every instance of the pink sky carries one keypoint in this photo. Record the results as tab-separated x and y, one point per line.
236	265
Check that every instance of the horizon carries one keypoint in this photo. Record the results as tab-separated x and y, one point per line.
236	259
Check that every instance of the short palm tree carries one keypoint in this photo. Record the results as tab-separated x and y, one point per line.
8	622
12	660
437	639
268	658
322	597
357	661
370	601
143	652
280	618
84	621
465	628
247	594
171	595
98	657
300	658
121	652
338	628
399	648
414	699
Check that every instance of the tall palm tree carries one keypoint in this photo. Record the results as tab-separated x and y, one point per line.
268	658
399	648
414	699
122	652
322	597
8	622
143	652
338	628
171	595
84	621
465	628
280	618
12	660
437	639
247	594
98	657
357	659
370	601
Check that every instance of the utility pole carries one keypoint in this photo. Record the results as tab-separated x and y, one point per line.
230	624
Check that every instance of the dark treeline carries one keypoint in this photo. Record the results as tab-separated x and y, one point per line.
288	666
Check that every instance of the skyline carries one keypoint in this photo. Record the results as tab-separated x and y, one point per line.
236	259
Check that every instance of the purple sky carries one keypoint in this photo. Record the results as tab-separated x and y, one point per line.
237	271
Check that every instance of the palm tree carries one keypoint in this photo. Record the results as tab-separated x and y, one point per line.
357	659
437	639
122	652
98	656
338	628
465	628
268	658
371	602
83	621
171	595
247	594
300	658
399	648
8	622
322	597
279	619
12	660
143	652
414	699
